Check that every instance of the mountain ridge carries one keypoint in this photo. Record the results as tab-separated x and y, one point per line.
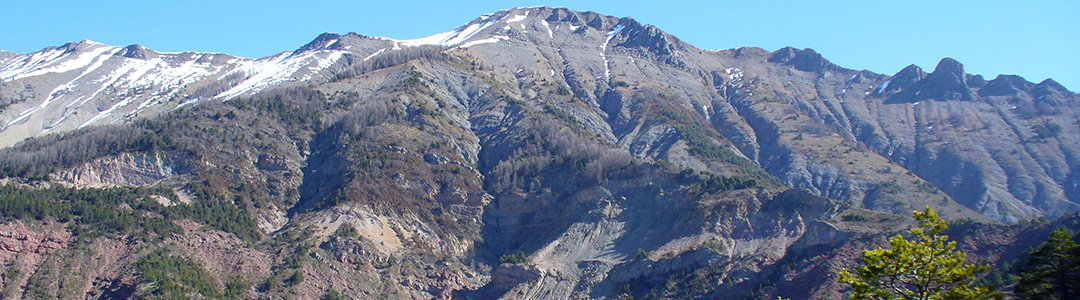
529	153
330	52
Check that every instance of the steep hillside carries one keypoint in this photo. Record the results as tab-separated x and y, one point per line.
532	153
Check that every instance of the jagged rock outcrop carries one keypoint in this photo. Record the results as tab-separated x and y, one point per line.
1005	85
137	51
904	80
804	60
947	82
646	36
127	169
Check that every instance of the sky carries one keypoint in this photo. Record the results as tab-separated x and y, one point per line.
1033	39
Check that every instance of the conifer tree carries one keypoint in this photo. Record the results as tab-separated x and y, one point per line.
923	267
1052	271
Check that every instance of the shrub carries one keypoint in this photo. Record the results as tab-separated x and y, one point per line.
889	187
332	295
1046	130
296	278
515	258
346	230
641	254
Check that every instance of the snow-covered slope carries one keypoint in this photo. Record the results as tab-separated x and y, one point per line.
75	85
87	83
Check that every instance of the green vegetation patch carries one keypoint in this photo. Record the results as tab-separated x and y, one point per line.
175	277
701	144
218	212
1045	131
346	230
514	258
93	212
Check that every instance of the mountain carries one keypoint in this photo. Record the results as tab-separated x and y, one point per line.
531	153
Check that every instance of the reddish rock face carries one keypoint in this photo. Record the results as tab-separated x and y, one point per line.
16	239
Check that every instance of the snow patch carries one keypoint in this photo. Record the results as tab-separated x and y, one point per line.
28	62
603	49
550	33
735	74
518	18
492	39
269	71
453	37
321	63
615	31
883	86
374	54
37	67
105	113
133	77
329	43
94	62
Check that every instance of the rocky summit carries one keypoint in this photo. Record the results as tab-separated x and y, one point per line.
533	153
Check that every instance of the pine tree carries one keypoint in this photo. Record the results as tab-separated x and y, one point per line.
927	266
1052	271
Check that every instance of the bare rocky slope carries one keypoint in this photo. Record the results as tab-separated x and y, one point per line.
534	153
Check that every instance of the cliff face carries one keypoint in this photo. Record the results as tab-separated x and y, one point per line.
531	154
993	147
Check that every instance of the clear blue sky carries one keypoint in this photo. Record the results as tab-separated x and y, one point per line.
1034	39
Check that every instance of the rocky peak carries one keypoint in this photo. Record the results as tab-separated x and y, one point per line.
87	44
750	52
69	47
1049	87
1005	85
1050	84
804	60
323	41
901	81
950	67
594	20
136	51
635	34
563	14
947	82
